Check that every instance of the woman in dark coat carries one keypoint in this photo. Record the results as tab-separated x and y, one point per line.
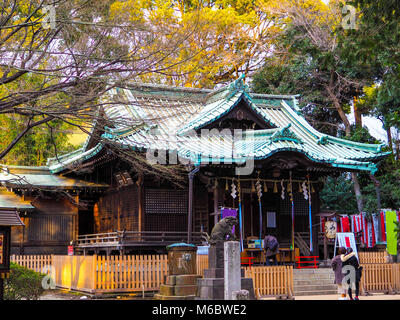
337	269
350	259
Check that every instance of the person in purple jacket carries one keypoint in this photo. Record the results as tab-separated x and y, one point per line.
337	269
271	247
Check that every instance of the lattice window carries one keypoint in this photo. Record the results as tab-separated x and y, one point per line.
300	205
166	210
166	202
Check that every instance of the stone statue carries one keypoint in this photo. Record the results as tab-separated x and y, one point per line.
222	231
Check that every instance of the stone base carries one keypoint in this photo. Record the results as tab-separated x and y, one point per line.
162	297
178	287
218	273
213	288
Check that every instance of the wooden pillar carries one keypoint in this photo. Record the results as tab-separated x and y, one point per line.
190	205
119	209
218	195
140	195
325	248
315	208
216	204
75	220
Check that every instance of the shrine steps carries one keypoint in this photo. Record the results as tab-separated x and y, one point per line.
313	282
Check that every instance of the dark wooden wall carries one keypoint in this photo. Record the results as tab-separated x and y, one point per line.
117	210
49	229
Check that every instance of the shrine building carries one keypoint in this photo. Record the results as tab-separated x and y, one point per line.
253	154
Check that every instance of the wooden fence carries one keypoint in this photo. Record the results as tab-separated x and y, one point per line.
201	263
37	263
373	257
101	274
271	280
380	277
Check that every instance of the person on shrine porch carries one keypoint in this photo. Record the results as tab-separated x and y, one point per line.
271	248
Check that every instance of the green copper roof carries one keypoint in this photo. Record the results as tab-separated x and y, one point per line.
149	117
41	177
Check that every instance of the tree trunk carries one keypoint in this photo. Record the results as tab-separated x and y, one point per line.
389	137
342	114
357	191
339	109
378	191
357	117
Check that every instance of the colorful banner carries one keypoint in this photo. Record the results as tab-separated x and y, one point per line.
344	221
364	229
1	248
370	235
375	221
228	212
383	229
391	234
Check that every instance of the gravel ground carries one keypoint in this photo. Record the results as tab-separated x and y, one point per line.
68	295
63	295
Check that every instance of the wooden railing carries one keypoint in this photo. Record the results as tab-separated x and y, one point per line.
136	237
271	280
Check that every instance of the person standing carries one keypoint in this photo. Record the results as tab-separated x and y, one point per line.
271	248
350	259
337	269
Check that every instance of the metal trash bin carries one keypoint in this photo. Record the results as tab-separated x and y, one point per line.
182	259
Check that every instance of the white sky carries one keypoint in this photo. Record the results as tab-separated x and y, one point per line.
374	126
